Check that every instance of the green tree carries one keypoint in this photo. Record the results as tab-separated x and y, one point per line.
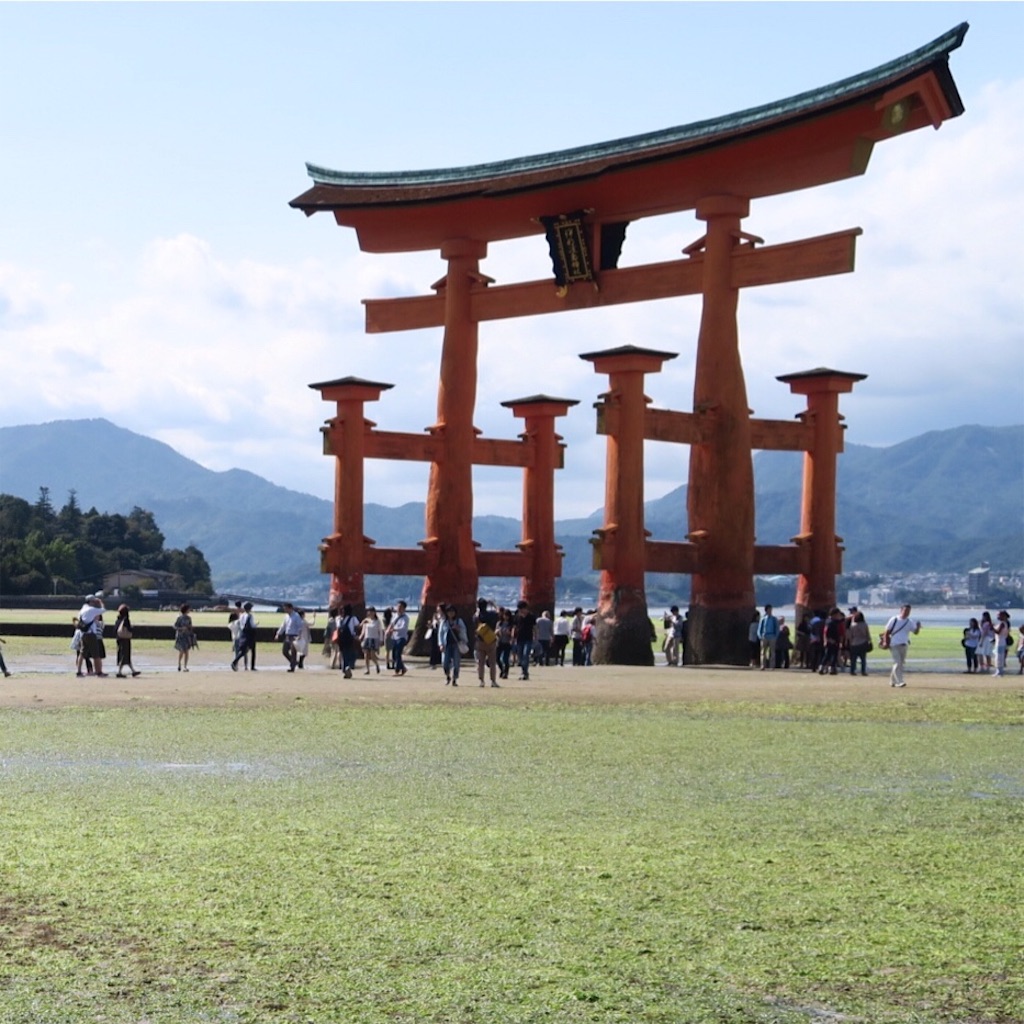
141	532
44	507
40	550
69	519
190	565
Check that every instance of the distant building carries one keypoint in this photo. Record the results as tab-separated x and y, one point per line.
144	579
978	582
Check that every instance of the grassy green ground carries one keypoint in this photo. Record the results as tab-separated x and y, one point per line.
529	864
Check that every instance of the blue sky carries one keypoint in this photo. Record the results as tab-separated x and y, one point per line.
151	271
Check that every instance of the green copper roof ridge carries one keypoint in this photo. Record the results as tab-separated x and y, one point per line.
836	92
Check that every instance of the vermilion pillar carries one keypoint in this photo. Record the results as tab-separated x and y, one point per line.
720	497
449	512
342	554
816	589
545	456
624	629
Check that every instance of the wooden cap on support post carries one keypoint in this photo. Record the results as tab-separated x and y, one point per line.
347	388
821	379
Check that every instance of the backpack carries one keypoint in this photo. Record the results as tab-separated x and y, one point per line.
486	633
345	634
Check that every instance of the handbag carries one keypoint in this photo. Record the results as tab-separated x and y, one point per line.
463	647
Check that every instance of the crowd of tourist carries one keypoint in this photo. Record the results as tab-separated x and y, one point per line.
830	642
497	640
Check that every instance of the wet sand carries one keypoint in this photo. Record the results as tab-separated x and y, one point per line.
38	683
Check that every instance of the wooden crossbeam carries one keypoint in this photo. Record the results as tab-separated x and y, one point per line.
398	561
503	563
390	444
796	261
385	444
782	559
675	427
672	556
688	428
772	264
496	452
781	435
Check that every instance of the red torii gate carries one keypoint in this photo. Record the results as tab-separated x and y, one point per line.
583	200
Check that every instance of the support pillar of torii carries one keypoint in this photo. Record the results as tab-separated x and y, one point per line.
816	586
624	552
624	628
348	555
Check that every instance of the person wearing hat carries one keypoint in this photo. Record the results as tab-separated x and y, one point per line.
90	622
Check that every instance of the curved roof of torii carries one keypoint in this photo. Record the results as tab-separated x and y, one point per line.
809	139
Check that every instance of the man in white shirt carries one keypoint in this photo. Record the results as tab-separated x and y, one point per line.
288	634
768	634
897	638
90	619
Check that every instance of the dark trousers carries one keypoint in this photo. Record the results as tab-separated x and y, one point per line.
830	660
396	654
561	642
504	659
524	649
289	652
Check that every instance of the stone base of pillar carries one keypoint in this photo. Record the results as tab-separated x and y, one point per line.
623	629
718	636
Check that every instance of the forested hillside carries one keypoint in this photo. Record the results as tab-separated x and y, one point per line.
944	501
45	551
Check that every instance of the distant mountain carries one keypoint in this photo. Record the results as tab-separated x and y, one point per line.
946	501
